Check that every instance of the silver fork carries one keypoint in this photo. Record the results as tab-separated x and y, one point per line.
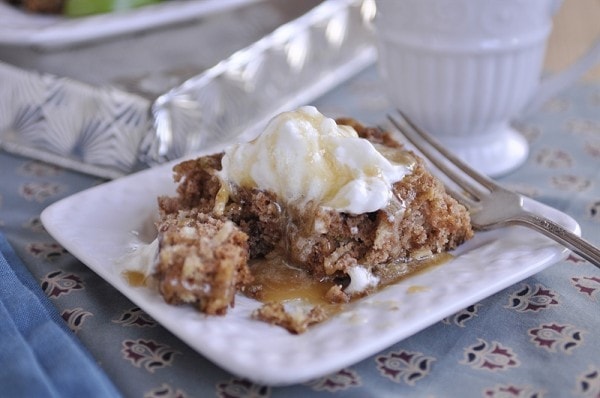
490	205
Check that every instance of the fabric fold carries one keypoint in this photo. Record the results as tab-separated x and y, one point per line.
39	355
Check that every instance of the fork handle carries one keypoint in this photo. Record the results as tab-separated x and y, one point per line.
561	235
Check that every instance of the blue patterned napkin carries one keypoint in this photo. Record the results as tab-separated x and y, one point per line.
39	355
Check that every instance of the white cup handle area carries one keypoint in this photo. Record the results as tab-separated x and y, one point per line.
553	84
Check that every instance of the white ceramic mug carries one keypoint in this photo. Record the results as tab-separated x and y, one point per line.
462	69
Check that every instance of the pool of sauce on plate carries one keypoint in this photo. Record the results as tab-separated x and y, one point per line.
135	278
276	280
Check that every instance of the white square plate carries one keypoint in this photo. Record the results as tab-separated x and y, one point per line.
100	226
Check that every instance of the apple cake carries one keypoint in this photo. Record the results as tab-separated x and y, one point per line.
338	201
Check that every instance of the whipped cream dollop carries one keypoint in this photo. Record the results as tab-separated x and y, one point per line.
303	156
361	278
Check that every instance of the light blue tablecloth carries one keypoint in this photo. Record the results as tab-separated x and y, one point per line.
538	338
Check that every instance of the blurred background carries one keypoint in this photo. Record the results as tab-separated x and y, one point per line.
576	26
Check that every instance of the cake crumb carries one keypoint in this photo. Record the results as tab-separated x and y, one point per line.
297	322
336	295
202	261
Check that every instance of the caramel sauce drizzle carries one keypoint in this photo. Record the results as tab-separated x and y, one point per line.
275	280
135	278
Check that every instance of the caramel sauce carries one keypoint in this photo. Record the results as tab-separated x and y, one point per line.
275	280
417	289
395	272
135	278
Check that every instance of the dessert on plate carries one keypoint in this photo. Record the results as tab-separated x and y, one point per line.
311	204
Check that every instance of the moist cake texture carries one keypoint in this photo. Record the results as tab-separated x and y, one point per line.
216	226
201	261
